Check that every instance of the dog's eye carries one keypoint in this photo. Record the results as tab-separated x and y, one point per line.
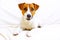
25	9
32	9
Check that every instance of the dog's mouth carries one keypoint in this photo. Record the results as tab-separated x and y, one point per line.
28	18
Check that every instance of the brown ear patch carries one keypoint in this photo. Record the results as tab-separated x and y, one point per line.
35	6
21	5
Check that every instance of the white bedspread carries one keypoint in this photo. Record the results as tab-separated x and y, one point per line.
48	15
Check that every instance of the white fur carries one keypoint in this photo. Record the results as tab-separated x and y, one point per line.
26	24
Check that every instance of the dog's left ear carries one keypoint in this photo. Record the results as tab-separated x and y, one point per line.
35	6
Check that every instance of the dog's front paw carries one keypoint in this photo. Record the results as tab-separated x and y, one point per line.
28	29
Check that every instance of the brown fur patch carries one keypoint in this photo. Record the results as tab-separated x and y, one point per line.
23	7
33	8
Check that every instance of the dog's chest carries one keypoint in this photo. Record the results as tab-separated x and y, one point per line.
26	24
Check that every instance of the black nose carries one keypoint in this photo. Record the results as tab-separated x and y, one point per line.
28	15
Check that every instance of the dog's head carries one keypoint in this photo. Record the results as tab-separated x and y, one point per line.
28	10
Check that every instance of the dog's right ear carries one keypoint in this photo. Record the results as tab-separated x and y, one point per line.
21	6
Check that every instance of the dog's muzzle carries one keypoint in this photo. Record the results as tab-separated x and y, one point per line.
28	16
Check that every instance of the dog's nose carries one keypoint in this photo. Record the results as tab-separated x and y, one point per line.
28	15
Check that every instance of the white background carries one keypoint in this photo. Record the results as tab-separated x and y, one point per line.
48	16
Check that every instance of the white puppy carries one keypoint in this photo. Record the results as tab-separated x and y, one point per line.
28	11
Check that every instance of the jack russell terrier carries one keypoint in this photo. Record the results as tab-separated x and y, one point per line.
28	11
